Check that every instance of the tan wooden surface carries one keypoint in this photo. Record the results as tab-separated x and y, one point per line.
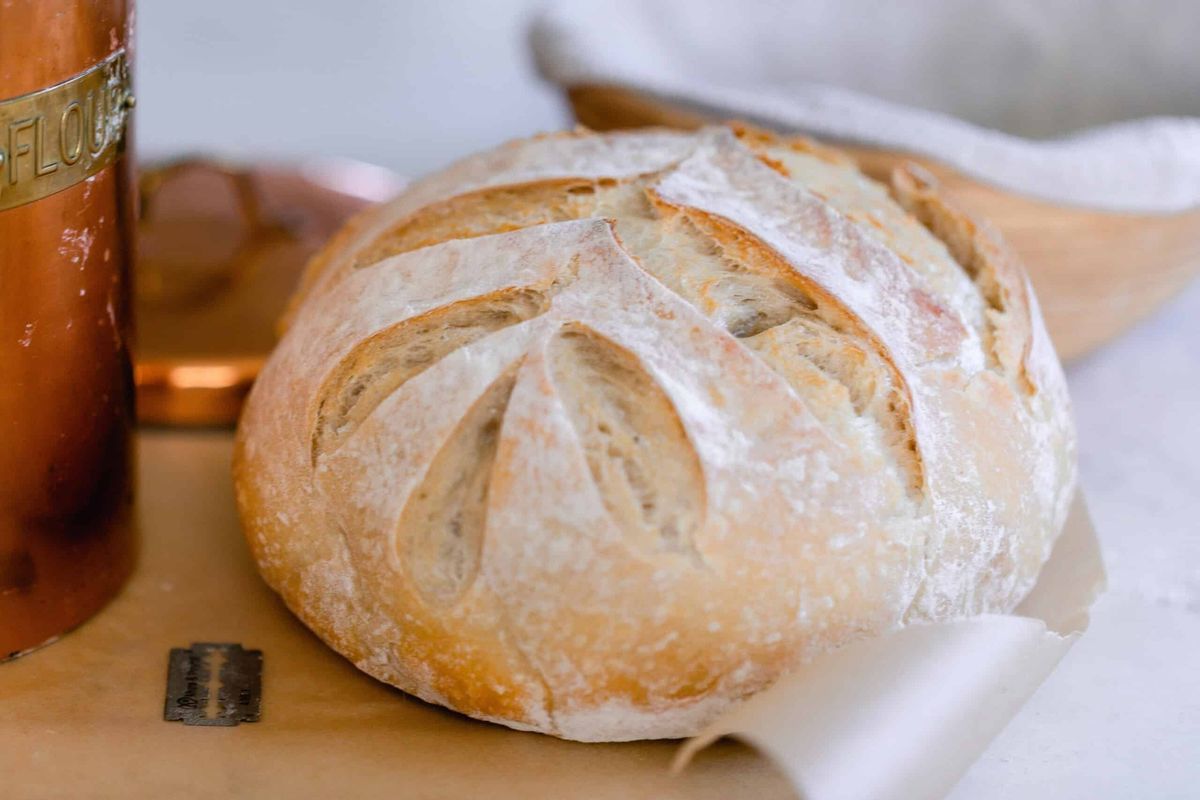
1096	273
82	718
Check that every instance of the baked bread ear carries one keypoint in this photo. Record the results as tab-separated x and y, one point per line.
595	435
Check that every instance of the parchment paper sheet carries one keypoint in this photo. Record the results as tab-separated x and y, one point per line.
903	716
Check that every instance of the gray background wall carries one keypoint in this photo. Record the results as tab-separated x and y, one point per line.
409	84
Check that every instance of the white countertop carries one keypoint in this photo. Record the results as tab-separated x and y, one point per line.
414	85
1120	718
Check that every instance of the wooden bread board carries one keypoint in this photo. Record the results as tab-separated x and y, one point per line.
83	718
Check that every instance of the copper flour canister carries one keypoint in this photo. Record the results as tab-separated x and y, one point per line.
66	234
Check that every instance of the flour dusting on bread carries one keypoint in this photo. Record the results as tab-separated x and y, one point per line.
596	435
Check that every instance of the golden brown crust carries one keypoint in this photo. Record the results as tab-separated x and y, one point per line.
762	141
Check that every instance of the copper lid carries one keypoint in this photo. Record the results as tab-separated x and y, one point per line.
220	250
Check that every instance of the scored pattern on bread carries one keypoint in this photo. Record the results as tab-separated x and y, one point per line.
639	455
488	211
595	435
746	292
998	301
382	363
977	249
444	519
871	388
796	326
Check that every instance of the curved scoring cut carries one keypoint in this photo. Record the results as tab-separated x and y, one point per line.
645	467
987	261
444	519
871	389
488	211
795	326
381	364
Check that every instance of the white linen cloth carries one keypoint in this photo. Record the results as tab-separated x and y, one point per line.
1094	104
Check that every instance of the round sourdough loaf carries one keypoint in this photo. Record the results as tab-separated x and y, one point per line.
596	435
